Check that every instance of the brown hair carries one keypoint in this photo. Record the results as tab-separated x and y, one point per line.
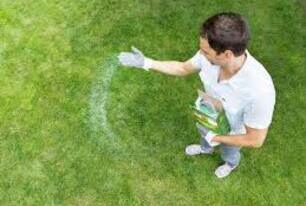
226	31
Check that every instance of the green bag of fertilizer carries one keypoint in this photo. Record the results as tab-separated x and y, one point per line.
210	117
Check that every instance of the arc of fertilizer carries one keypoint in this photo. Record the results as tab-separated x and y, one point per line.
98	99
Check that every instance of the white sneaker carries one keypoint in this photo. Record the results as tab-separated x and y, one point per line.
224	170
196	149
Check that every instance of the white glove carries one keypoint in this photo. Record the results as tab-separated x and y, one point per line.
209	136
135	59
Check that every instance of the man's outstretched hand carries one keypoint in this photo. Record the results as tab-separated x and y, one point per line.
135	58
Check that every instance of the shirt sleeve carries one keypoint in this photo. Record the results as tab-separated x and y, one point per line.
258	113
199	61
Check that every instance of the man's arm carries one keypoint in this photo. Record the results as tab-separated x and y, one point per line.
136	59
174	67
258	115
253	138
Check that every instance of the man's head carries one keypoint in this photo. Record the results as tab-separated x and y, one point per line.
224	36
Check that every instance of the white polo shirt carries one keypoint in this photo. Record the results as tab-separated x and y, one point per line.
248	97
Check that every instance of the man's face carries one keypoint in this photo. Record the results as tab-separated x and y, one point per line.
211	55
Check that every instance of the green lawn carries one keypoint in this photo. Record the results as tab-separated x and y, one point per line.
76	129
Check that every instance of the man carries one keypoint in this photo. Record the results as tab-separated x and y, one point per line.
232	76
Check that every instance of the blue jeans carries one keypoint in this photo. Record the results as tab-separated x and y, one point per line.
229	154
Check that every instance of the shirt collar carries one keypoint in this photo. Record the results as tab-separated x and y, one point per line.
239	76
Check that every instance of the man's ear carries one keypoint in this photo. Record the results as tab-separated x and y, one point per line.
228	54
